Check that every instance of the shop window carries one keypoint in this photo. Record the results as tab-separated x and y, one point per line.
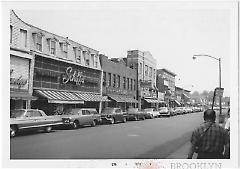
23	38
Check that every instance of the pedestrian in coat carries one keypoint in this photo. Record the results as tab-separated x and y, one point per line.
209	140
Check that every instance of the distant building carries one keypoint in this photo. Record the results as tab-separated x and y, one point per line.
119	83
183	96
145	65
166	84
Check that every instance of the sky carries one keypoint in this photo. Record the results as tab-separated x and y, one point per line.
172	32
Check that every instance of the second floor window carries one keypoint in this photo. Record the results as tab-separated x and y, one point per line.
39	42
134	85
52	46
124	82
96	61
86	58
11	32
118	81
23	38
77	53
104	78
131	84
109	79
128	83
114	80
93	59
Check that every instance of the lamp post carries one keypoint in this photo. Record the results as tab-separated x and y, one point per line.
220	85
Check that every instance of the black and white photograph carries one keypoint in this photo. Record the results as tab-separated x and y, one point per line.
111	84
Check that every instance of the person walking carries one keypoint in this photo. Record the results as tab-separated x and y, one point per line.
209	140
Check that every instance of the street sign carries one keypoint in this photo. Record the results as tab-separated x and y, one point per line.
219	92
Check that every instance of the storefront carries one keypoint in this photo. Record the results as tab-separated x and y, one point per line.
20	90
60	85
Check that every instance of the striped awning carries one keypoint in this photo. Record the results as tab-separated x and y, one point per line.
118	99
90	97
151	100
62	97
177	102
130	100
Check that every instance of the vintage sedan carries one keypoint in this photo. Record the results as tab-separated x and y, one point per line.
31	119
134	114
113	115
164	111
77	117
149	113
178	111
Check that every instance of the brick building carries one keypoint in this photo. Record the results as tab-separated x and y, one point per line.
21	64
166	84
119	83
145	65
65	73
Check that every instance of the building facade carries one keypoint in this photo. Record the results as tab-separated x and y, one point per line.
119	83
145	65
182	96
165	82
21	64
66	74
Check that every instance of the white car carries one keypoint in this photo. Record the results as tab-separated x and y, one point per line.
149	113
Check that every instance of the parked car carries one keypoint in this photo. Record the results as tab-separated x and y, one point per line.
188	110
178	111
96	115
164	111
134	114
31	119
113	115
77	117
149	114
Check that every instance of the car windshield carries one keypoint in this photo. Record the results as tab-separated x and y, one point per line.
16	113
71	112
108	111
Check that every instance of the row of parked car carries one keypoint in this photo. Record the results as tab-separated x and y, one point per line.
34	119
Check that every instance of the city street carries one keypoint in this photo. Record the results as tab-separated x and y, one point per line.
148	139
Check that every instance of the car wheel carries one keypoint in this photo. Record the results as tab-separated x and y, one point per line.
112	121
13	131
124	120
48	129
93	123
75	125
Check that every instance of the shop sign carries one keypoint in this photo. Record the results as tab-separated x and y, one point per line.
19	81
71	75
116	91
146	84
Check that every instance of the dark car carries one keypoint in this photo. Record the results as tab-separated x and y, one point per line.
31	119
134	114
113	115
79	117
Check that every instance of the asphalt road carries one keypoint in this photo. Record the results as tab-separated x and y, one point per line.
148	139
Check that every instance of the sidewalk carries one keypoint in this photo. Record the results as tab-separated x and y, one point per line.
182	152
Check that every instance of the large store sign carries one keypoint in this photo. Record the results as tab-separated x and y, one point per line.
71	75
18	81
19	73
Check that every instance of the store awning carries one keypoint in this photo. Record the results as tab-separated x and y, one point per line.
186	96
90	97
130	100
117	98
21	96
62	97
151	100
177	102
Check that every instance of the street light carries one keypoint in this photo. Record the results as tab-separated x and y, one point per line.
219	63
